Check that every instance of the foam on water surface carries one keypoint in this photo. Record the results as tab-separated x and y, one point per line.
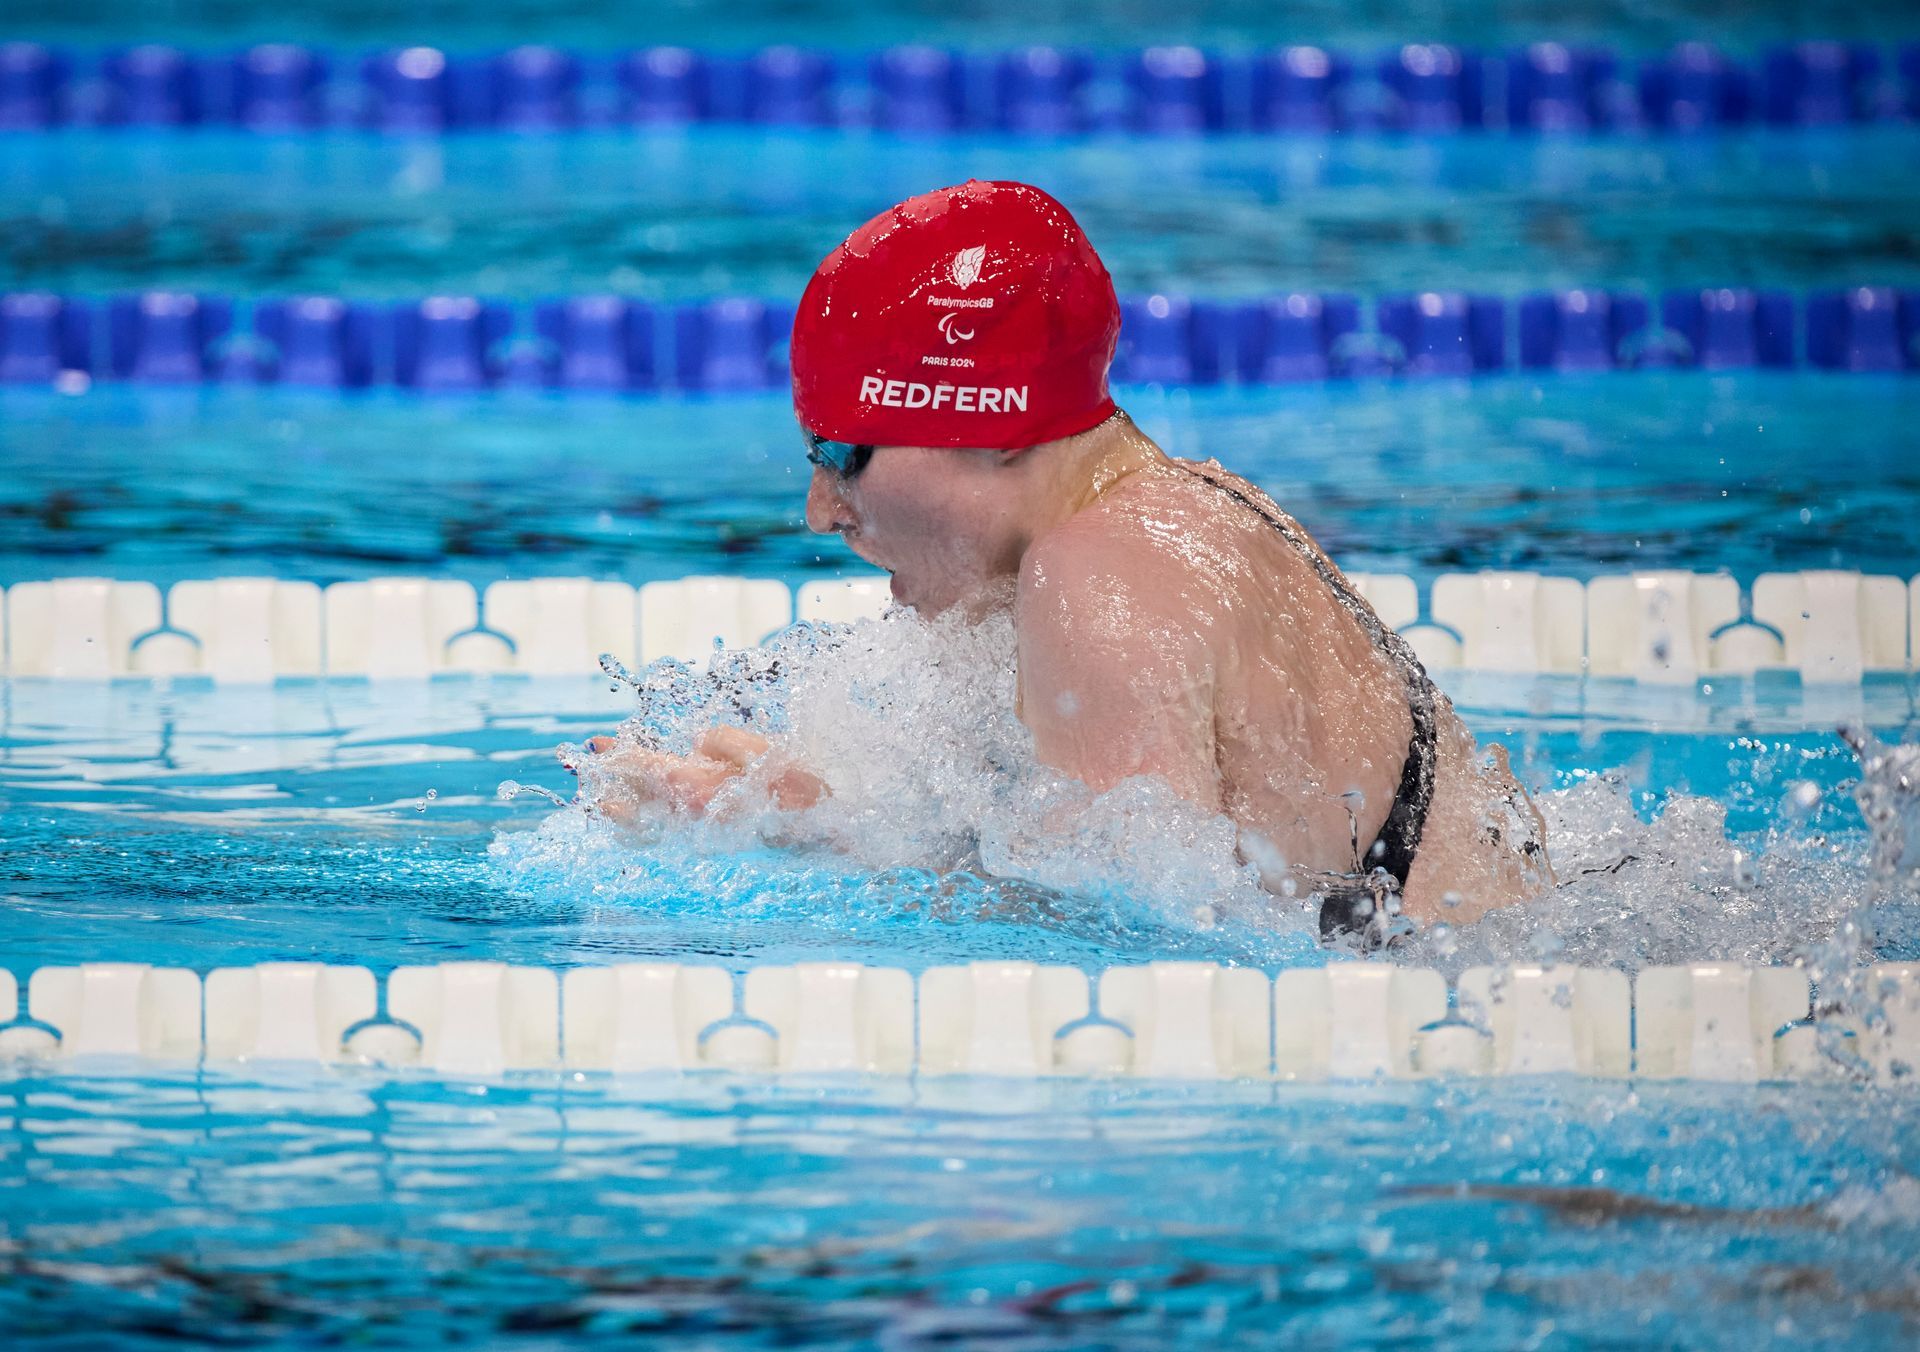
938	805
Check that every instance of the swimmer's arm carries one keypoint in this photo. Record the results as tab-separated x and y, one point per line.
722	756
1116	676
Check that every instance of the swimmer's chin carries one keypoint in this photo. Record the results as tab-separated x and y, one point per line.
974	600
926	605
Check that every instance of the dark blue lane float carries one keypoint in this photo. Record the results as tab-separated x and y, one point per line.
1419	88
618	344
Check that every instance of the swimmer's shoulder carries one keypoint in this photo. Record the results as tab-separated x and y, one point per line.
1237	507
1147	542
1192	515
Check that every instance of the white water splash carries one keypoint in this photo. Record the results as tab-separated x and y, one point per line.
1676	889
935	795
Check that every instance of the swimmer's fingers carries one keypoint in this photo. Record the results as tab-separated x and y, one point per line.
794	787
690	784
736	747
791	786
569	753
731	746
622	783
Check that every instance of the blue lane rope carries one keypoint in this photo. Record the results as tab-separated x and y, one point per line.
451	343
1049	91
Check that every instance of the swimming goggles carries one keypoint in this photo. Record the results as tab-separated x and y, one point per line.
844	458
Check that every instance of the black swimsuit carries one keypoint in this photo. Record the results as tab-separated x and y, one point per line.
1361	902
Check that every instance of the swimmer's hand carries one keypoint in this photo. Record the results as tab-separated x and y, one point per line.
721	757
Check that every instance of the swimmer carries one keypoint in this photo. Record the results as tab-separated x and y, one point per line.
950	378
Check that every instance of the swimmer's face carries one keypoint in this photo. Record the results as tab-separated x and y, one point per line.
943	522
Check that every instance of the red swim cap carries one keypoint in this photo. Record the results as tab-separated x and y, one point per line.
975	316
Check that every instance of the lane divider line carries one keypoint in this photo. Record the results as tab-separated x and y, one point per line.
451	344
1045	91
1161	1020
1831	628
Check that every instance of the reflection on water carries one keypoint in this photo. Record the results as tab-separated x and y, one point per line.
1740	472
1053	1214
682	213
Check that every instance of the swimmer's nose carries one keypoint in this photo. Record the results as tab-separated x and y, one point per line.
827	513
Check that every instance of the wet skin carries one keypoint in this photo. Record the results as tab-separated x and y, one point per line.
1162	628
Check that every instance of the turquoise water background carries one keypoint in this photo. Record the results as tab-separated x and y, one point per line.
987	23
704	211
360	823
1745	472
354	823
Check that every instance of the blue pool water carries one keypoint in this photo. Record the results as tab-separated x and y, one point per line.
993	23
1742	471
714	210
360	824
1063	1216
346	822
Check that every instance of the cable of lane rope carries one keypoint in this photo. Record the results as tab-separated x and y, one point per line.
614	343
1419	88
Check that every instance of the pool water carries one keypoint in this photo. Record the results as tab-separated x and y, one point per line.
400	823
1034	1216
360	823
988	23
704	211
1740	471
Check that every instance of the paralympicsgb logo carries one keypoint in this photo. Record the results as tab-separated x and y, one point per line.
965	268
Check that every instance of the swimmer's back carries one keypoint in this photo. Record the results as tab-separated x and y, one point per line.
1311	715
